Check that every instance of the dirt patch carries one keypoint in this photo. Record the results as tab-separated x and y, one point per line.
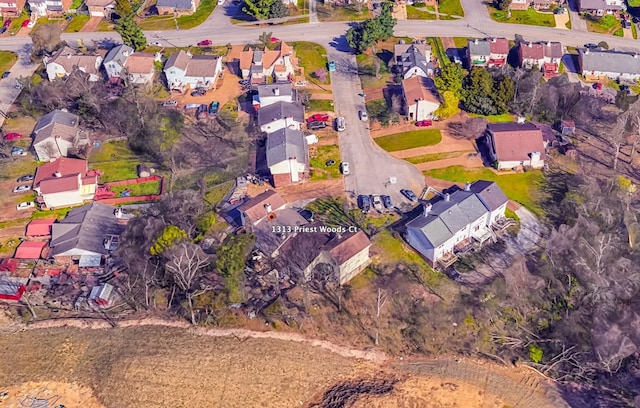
314	189
54	393
464	160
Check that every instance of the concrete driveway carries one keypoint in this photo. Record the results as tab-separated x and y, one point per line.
371	168
21	69
577	23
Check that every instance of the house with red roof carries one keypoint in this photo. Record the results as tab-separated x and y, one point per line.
30	250
39	228
516	144
545	55
65	182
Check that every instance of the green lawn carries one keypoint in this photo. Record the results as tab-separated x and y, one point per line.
216	194
415	13
111	151
7	60
321	105
58	213
451	7
460	42
409	140
312	57
16	22
319	169
633	3
367	72
505	117
520	187
341	13
184	22
105	25
603	25
140	189
76	23
435	156
529	17
117	170
76	4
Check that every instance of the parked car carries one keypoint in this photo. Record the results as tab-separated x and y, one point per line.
332	66
626	24
170	103
21	189
590	45
316	125
329	163
409	194
156	43
31	23
202	112
7	23
25	178
198	92
597	86
377	202
340	124
2	30
204	43
275	40
5	74
364	203
318	117
25	205
244	82
363	116
25	23
424	123
386	201
18	151
12	136
345	168
560	10
213	107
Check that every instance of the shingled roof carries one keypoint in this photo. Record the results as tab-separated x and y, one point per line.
284	144
516	141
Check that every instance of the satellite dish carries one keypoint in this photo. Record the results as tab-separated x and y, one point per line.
392	180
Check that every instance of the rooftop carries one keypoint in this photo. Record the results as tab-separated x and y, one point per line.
281	110
609	61
419	88
344	247
256	207
193	65
65	166
57	123
516	141
285	144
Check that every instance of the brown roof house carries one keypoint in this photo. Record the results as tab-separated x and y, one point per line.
545	55
57	134
138	66
177	7
421	98
65	182
184	70
101	8
66	60
267	217
11	7
515	144
279	64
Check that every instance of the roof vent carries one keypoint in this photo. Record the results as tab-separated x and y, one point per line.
467	186
426	209
521	119
447	197
475	41
530	45
276	91
57	174
267	207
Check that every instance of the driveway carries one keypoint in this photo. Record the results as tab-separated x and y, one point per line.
371	167
577	23
529	235
8	93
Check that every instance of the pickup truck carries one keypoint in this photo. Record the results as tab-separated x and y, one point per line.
192	106
213	108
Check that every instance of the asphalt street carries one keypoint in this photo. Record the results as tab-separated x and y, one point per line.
8	91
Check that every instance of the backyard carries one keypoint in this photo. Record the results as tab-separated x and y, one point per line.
318	162
528	17
184	22
320	105
140	189
115	160
312	57
504	117
7	60
520	187
367	70
409	140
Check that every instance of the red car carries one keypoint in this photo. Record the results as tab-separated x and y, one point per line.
275	40
12	136
25	23
318	117
424	123
204	43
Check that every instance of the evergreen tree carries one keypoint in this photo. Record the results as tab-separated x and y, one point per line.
260	9
478	91
504	91
359	38
123	8
278	10
450	79
131	33
449	105
365	34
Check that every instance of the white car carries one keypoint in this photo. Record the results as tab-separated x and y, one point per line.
340	124
156	43
25	205
345	168
377	202
21	189
220	2
363	116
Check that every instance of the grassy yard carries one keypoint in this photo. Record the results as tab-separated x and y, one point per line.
434	157
520	187
16	22
409	140
367	71
59	213
319	169
76	23
184	22
451	7
460	42
321	105
415	13
216	194
7	60
115	160
105	25
604	25
141	189
341	13
312	57
529	17
505	117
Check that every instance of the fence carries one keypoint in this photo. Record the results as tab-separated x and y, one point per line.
133	199
133	181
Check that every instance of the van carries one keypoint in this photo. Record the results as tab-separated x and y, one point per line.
340	124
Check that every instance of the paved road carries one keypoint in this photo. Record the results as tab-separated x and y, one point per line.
371	168
8	91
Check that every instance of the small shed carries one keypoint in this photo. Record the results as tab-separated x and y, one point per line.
40	228
30	250
143	170
11	290
567	127
8	265
102	295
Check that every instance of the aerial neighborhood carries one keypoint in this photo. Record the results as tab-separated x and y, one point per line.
401	186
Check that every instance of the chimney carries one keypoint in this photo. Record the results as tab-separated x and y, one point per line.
467	186
267	207
118	212
426	209
530	45
447	197
548	43
276	91
475	41
68	56
493	40
521	119
635	56
57	174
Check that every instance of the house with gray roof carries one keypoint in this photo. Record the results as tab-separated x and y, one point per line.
87	234
455	220
268	94
179	7
413	60
56	134
281	115
115	59
186	71
601	7
287	156
490	52
599	64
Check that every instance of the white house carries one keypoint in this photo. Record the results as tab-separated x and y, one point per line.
139	66
515	145
456	220
64	182
421	100
66	60
287	156
348	253
100	8
281	115
545	55
490	52
115	59
413	59
56	133
279	64
44	8
184	70
11	7
268	94
601	7
596	65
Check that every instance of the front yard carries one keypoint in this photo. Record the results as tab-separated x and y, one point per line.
604	25
367	70
313	57
318	162
419	13
77	22
320	105
409	140
451	7
528	17
7	60
342	13
203	12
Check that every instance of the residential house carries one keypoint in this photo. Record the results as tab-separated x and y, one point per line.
413	59
546	4
488	52
601	7
268	94
87	234
259	207
39	228
347	253
598	65
115	59
177	7
139	66
57	134
101	8
279	64
456	220
48	8
519	4
184	70
287	156
499	50
421	98
515	144
65	182
66	60
545	55
11	7
281	115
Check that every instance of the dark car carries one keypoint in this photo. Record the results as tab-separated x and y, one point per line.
590	45
205	43
25	178
318	117
316	125
198	92
330	163
625	89
202	112
213	107
409	194
5	74
364	203
386	201
7	23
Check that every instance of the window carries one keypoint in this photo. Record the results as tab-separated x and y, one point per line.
477	227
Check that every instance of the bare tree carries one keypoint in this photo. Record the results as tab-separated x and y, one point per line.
381	301
185	264
396	103
45	38
470	129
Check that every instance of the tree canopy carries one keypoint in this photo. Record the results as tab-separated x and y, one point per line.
45	38
450	79
365	34
484	95
265	9
131	33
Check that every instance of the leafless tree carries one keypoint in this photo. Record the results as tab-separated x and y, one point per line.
45	38
396	103
185	263
470	129
381	301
